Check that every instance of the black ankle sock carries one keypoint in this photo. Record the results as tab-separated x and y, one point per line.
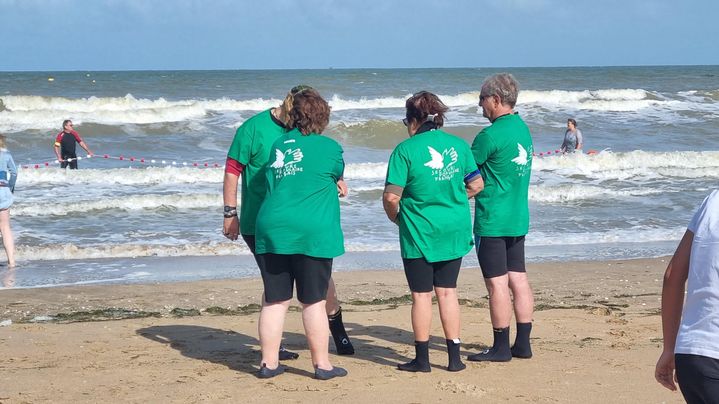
339	335
421	361
455	362
499	352
522	347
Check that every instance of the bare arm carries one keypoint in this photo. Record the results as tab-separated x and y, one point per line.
475	186
87	149
342	189
57	153
390	202
675	279
231	225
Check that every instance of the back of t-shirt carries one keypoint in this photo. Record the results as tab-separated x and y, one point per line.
699	330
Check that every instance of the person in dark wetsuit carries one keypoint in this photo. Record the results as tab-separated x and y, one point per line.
65	145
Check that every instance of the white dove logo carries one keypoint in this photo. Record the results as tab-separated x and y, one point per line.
521	158
437	161
280	157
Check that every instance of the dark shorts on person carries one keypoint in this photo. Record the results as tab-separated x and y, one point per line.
72	164
423	276
698	378
250	241
280	272
498	255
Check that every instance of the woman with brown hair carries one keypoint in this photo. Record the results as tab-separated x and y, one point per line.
248	158
302	178
430	178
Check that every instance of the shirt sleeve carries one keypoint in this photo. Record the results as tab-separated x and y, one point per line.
58	139
13	172
241	148
580	138
694	223
397	169
77	136
470	165
340	162
483	147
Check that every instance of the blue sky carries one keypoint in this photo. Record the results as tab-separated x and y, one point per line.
289	34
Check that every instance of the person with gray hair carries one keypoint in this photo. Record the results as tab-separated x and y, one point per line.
503	152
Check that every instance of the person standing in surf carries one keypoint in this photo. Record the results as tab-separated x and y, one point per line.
573	139
430	178
8	177
503	152
248	157
65	145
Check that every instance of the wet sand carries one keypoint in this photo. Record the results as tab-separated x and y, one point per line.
596	337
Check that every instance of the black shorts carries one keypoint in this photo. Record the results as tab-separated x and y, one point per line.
72	164
497	255
250	241
698	378
279	273
423	276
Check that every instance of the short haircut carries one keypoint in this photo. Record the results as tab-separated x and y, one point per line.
310	112
503	85
65	122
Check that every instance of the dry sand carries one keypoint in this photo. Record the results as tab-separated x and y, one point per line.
597	335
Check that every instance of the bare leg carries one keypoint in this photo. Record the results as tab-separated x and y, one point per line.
421	315
523	296
449	314
272	321
314	318
332	305
500	303
7	237
448	311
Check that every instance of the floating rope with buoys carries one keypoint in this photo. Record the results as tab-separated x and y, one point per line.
558	152
138	160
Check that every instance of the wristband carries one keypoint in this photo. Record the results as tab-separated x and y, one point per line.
230	211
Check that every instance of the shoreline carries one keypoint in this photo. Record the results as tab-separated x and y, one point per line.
597	336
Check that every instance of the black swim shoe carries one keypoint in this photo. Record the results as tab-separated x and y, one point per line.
524	353
266	373
321	374
286	355
491	355
415	366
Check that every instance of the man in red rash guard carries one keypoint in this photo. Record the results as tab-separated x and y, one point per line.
65	145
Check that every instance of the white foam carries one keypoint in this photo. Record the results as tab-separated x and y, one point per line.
626	165
128	203
572	193
628	235
125	250
122	176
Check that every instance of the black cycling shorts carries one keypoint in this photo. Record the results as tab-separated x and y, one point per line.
423	276
498	255
280	272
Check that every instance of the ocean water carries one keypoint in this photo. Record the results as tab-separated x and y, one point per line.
161	137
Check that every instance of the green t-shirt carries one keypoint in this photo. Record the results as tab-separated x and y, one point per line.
301	212
251	147
434	215
503	152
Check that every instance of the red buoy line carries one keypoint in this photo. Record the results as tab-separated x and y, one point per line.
141	160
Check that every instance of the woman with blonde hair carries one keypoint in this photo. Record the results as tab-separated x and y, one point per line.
8	176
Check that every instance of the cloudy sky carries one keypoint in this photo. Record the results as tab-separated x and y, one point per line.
291	34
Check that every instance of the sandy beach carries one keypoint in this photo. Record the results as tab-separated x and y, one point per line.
597	335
